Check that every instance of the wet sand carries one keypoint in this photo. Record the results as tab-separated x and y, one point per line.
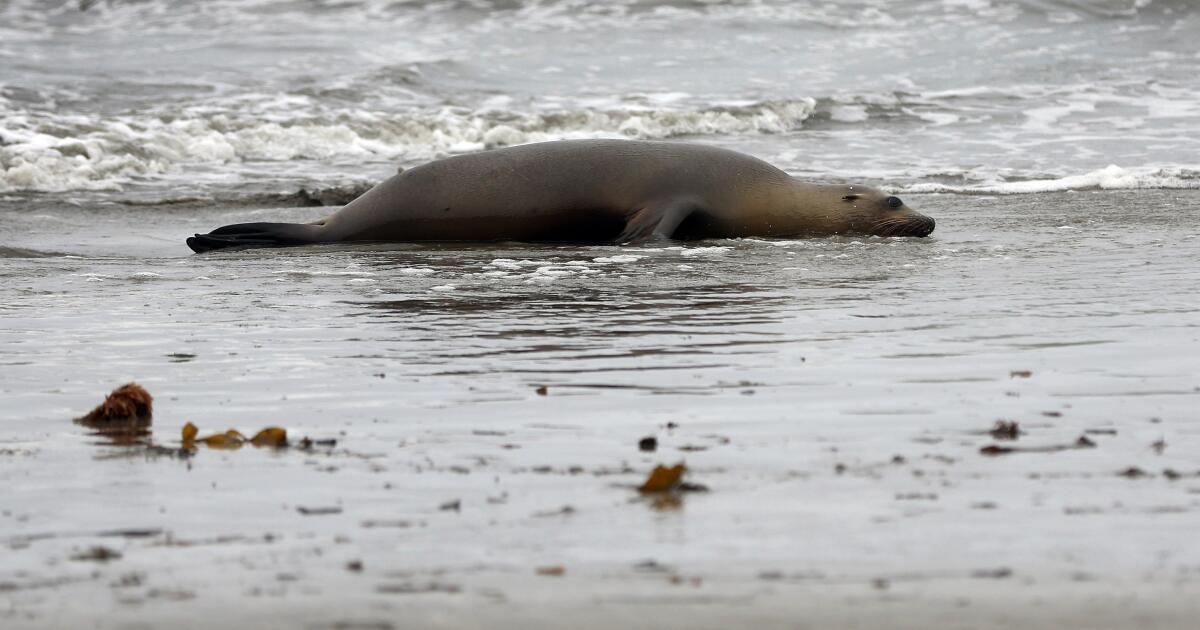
833	396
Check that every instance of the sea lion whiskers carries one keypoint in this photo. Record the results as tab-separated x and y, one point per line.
903	226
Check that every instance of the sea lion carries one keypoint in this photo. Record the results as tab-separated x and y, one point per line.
591	191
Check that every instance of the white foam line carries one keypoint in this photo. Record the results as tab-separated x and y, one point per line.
1111	177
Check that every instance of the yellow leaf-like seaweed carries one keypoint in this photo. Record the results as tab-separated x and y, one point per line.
270	436
228	439
662	478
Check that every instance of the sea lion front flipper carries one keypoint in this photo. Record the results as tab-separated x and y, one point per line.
256	235
655	220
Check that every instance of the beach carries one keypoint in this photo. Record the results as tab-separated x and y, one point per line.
993	427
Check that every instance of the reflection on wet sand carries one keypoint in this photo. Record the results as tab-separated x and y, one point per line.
595	330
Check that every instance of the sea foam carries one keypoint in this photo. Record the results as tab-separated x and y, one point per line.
42	151
1111	177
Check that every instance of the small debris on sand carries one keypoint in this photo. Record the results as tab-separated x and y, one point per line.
992	574
542	391
417	589
1159	446
996	449
1133	472
565	510
127	409
308	444
97	554
650	565
319	511
451	506
648	444
1020	374
354	566
554	571
1006	430
398	523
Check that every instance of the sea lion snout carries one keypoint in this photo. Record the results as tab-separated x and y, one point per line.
922	226
908	223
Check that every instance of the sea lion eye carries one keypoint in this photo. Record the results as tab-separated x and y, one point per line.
894	202
849	197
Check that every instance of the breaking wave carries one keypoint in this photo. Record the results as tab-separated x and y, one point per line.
47	152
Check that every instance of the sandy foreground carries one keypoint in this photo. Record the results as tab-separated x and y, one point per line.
515	523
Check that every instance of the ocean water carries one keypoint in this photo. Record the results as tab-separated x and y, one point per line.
163	99
832	394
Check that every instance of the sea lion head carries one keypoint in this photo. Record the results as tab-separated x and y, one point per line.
871	211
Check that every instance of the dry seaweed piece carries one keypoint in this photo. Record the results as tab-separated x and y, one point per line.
648	444
554	571
128	408
663	479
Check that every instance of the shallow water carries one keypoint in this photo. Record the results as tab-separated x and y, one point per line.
832	394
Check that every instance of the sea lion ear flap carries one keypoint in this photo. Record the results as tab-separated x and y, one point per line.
655	220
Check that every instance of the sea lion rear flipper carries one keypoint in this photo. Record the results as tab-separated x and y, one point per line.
255	235
655	220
